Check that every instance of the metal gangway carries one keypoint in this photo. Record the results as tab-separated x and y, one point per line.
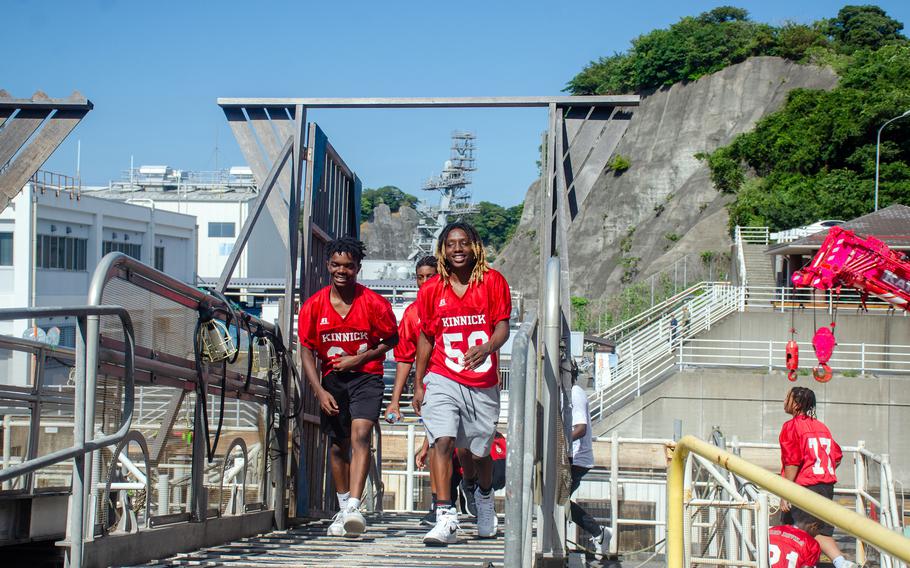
159	490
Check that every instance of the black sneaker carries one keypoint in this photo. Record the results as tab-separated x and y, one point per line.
429	520
468	498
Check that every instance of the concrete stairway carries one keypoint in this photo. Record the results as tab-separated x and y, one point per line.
759	270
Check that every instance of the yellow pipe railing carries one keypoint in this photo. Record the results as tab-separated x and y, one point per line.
886	540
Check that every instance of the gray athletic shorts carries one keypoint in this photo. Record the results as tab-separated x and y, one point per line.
468	414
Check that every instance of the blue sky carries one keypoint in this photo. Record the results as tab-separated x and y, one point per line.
154	69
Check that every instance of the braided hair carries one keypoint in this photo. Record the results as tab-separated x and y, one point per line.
480	256
428	260
804	399
346	245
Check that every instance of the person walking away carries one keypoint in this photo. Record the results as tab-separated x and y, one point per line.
405	351
809	456
349	328
582	463
464	320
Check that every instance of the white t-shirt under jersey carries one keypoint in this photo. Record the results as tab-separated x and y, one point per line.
582	448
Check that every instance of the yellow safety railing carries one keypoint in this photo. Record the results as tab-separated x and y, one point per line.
825	509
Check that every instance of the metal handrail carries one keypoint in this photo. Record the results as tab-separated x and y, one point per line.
740	257
80	449
655	311
820	507
519	453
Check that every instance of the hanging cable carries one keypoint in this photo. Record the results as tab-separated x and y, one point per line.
212	342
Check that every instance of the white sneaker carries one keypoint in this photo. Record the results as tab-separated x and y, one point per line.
486	515
337	526
446	530
601	543
353	523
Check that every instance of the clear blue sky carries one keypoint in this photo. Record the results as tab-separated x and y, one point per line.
154	69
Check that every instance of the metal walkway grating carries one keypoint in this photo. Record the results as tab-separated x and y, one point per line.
393	540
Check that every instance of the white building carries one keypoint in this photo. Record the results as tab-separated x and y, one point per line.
221	202
51	240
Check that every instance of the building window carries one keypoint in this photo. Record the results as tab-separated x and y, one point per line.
128	249
225	230
60	253
159	258
6	249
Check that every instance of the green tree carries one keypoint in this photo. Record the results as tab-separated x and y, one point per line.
696	46
685	51
815	157
495	224
863	27
388	194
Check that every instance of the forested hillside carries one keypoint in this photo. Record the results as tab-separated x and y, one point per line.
815	157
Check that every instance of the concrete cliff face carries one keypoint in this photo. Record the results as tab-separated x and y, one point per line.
664	206
388	235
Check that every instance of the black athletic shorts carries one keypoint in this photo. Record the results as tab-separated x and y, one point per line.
796	515
359	395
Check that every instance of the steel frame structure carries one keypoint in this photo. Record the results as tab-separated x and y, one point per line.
30	131
569	146
262	125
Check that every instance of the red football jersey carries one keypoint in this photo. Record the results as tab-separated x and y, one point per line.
457	324
807	443
791	547
408	330
369	322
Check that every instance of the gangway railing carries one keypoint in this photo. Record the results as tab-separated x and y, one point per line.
521	447
886	540
84	440
537	455
154	347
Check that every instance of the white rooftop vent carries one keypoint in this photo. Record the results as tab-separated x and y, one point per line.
241	171
157	171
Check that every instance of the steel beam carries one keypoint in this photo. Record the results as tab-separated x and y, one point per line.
18	131
278	209
24	166
41	101
265	191
436	102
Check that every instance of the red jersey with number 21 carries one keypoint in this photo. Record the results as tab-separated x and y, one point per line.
323	330
807	443
457	324
792	547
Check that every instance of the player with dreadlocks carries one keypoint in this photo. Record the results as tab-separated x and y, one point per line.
809	456
349	328
464	320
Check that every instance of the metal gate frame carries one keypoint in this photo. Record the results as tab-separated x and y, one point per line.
560	185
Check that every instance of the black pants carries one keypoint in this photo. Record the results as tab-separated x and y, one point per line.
579	516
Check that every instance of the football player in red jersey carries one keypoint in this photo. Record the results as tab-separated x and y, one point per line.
794	546
809	456
349	328
464	320
405	351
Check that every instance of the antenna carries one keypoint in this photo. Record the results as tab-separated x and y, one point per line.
78	158
455	198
